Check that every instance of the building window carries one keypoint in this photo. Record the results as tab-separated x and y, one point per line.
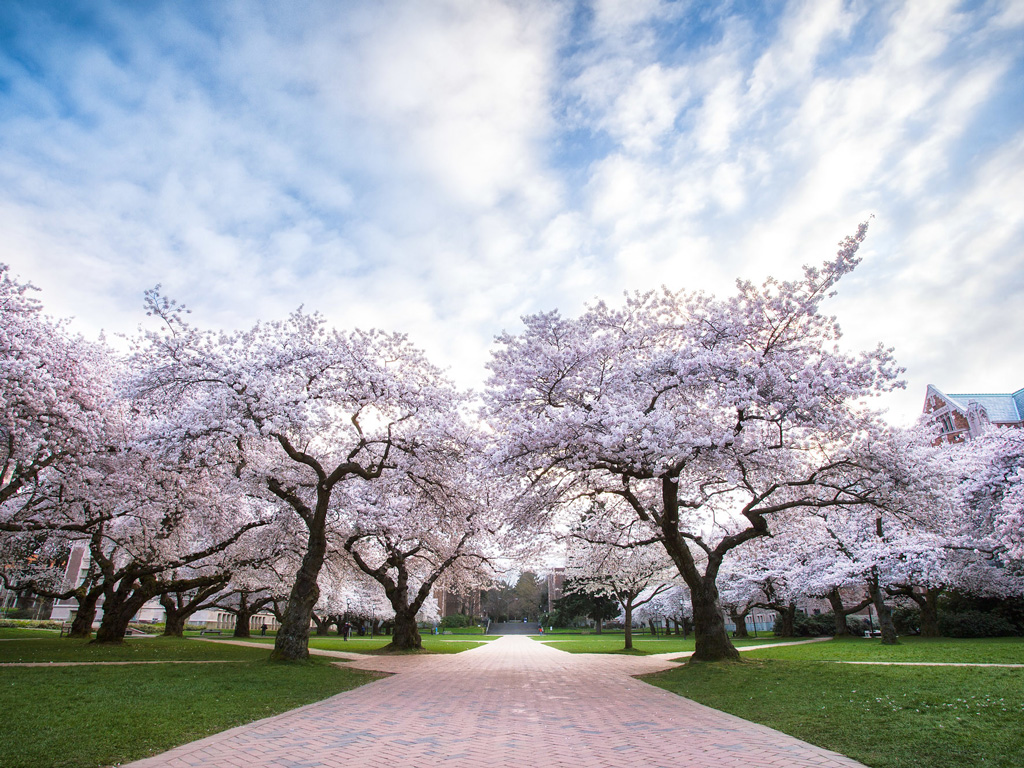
946	422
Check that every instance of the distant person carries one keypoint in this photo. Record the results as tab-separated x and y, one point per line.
263	629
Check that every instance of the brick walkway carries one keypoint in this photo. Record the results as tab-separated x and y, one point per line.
511	703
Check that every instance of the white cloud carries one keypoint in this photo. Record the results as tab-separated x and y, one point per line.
404	164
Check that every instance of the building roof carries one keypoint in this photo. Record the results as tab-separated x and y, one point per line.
999	408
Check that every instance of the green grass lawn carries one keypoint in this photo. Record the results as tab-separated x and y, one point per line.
133	649
885	717
990	650
613	643
87	716
15	633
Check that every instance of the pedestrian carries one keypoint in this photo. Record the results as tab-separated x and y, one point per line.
348	631
263	629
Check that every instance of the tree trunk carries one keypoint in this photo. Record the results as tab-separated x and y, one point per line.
739	620
929	605
406	636
323	625
654	628
599	626
839	614
243	617
81	625
174	625
175	616
712	641
292	642
628	610
884	613
786	623
117	613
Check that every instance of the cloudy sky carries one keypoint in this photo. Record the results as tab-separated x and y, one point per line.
442	167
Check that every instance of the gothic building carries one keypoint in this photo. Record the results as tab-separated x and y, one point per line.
963	417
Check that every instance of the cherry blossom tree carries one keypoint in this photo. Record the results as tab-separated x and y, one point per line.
671	606
691	410
603	557
990	475
310	409
180	604
175	529
435	518
53	395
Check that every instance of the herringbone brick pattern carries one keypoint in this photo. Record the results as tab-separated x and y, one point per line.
514	703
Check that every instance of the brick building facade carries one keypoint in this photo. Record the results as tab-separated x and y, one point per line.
964	416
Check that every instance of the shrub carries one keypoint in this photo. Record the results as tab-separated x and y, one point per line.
907	620
858	626
20	613
819	625
457	620
30	624
1011	609
975	624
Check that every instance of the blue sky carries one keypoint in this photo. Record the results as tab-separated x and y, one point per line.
441	168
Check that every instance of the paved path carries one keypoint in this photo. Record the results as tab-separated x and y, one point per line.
512	703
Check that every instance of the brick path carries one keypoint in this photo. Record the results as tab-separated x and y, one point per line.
510	703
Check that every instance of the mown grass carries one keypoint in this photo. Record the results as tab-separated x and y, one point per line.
605	643
16	633
133	649
989	650
88	716
883	716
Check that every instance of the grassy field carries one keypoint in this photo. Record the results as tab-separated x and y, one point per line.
990	650
133	649
87	716
883	716
613	643
14	633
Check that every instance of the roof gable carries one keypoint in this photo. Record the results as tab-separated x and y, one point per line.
998	408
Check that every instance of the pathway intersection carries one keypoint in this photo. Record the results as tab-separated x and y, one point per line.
510	703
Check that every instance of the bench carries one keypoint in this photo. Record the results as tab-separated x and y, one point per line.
209	632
